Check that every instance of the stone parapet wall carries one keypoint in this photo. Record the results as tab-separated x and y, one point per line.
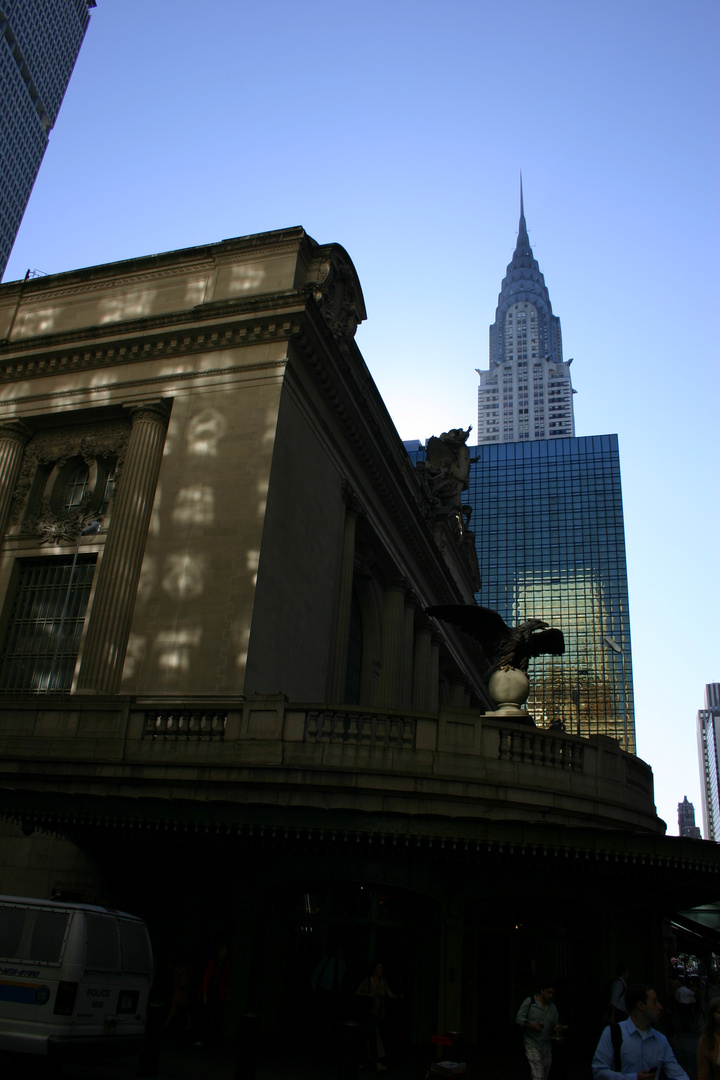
455	764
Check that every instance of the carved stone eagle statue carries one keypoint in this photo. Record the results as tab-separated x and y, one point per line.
505	646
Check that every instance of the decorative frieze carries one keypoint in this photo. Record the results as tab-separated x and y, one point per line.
50	451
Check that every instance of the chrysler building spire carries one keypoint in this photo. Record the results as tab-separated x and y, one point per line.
523	243
527	392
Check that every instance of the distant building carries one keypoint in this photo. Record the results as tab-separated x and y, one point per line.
39	44
548	515
551	545
527	393
686	820
708	723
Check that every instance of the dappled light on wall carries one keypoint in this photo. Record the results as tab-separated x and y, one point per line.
37	322
184	576
134	656
194	506
175	648
263	487
132	305
205	431
252	559
245	279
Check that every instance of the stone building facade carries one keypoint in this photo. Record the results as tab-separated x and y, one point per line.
223	705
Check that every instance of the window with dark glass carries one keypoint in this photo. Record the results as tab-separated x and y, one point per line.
44	624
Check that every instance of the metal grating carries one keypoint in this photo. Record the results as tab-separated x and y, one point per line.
33	935
48	936
41	646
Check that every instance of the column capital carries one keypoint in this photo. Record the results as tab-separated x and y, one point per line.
350	498
152	411
17	430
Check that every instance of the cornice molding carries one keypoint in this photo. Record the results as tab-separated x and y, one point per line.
50	361
118	388
455	839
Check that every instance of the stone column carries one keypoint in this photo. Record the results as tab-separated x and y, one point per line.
338	671
392	673
117	579
409	647
422	668
435	673
457	693
14	437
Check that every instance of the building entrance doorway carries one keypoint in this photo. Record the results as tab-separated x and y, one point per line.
303	925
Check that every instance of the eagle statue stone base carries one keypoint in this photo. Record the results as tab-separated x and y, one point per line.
509	688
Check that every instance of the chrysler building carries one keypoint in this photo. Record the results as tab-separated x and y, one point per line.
527	392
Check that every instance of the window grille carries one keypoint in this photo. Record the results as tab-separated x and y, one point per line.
41	648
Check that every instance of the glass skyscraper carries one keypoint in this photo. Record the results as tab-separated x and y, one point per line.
708	731
39	44
548	521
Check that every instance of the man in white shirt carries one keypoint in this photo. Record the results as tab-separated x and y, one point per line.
538	1017
686	1006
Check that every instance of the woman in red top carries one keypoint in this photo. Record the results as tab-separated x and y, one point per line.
214	993
708	1051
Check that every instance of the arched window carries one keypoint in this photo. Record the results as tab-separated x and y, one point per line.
74	487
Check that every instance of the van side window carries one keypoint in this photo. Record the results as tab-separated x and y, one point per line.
48	936
102	943
136	953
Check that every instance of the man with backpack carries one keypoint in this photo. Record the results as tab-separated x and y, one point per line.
617	994
538	1018
633	1047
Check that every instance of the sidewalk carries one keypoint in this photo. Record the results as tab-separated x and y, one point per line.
188	1063
685	1046
178	1062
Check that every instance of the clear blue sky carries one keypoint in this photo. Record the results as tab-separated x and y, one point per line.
398	129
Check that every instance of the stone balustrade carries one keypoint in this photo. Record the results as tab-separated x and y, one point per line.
455	763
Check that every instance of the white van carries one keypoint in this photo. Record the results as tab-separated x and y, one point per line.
74	979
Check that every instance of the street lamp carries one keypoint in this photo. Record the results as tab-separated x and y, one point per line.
612	644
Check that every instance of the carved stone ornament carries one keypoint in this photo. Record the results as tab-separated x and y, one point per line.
333	284
53	529
91	443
